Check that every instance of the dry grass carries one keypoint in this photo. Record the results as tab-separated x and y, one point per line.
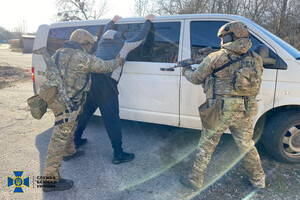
11	75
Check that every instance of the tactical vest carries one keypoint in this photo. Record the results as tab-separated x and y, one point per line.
240	78
55	86
80	86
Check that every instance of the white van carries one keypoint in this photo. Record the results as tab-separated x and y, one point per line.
149	94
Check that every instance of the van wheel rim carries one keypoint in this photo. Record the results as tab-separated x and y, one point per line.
291	141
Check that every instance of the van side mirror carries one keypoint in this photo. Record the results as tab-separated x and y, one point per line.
270	59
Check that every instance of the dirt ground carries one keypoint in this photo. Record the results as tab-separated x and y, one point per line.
283	179
14	67
10	76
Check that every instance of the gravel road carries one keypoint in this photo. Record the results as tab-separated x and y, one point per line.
14	59
163	153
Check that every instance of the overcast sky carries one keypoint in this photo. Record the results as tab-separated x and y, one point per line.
37	12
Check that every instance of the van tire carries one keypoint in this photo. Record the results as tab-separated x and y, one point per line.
281	136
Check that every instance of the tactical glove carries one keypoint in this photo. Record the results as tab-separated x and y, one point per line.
186	68
183	64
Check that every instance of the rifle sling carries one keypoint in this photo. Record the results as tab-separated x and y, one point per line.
230	62
85	84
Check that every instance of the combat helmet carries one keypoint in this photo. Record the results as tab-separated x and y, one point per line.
232	31
82	37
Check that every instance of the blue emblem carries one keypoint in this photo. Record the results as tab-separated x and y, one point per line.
18	181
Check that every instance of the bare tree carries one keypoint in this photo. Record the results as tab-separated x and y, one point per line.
69	10
172	7
225	6
21	27
142	7
194	6
256	10
5	35
198	6
280	17
294	22
165	7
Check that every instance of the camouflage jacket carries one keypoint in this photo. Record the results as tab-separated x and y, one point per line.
221	84
75	67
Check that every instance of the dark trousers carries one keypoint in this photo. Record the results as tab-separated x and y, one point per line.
103	94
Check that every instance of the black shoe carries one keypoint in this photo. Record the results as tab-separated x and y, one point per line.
62	184
185	181
75	155
80	143
122	157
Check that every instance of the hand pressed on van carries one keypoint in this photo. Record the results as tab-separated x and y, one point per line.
150	17
116	18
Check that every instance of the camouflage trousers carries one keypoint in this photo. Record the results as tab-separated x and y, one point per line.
61	144
242	132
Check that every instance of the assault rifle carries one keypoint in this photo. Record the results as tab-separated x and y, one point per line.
202	53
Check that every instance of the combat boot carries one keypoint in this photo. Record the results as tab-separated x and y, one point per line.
62	184
122	157
185	181
75	155
258	184
80	142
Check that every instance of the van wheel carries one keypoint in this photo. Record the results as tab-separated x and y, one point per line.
281	136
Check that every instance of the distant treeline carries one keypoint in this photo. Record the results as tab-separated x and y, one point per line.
6	35
280	17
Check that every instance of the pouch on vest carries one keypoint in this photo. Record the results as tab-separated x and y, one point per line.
247	81
247	78
48	93
251	107
233	104
209	114
38	106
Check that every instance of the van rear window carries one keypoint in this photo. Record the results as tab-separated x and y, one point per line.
57	36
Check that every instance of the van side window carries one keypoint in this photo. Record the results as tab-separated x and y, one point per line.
161	44
57	36
254	41
204	34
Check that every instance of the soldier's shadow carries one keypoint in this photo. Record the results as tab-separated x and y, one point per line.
155	147
41	143
75	169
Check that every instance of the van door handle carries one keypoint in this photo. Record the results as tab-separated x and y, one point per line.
168	68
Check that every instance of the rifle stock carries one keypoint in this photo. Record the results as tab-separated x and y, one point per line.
202	53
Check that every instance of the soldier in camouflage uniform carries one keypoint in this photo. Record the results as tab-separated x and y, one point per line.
235	108
75	66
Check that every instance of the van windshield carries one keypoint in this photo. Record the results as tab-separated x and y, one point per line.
290	49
